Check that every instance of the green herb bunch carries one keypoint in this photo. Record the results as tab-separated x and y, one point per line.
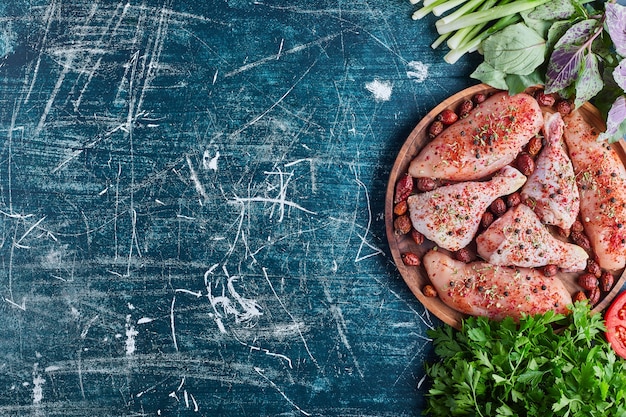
492	368
576	48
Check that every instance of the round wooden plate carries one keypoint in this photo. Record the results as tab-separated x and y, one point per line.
415	277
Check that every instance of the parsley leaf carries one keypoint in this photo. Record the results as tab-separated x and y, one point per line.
492	368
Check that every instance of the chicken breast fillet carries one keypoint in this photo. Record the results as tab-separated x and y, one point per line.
551	188
518	238
601	179
483	289
450	215
489	138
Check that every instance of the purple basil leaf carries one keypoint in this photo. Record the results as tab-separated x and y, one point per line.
566	59
619	74
589	82
615	120
616	26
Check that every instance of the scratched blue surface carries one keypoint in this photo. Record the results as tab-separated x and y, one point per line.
191	207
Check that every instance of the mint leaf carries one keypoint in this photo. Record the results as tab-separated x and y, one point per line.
516	49
589	82
567	58
615	121
619	74
616	26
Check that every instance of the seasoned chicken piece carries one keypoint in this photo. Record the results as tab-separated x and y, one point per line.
518	238
601	179
551	188
483	142
482	289
450	215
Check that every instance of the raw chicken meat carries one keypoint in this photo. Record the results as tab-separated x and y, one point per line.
483	142
551	188
482	289
601	178
450	215
518	238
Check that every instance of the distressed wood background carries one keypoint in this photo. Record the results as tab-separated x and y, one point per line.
191	206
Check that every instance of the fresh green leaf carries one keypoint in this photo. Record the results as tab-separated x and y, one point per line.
518	83
527	369
517	49
616	22
489	75
589	82
553	10
567	58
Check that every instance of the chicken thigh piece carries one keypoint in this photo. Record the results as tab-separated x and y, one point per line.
518	238
483	289
551	188
450	215
601	179
478	145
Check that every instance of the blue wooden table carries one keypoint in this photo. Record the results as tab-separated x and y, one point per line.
191	206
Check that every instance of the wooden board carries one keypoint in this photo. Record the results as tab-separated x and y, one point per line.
416	277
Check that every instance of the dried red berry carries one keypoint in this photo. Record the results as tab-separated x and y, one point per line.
606	281
429	291
588	281
410	259
498	207
594	295
550	270
404	188
579	296
486	219
594	268
479	98
525	164
426	184
447	117
435	129
564	107
534	145
544	99
514	199
463	255
402	225
400	208
417	237
466	107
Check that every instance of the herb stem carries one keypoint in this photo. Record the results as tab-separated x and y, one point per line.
483	16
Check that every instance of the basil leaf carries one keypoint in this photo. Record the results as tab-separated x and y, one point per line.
518	83
615	25
490	76
516	49
567	57
615	121
552	10
619	74
589	82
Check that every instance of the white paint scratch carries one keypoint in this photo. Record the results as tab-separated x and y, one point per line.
342	328
381	90
306	346
38	382
196	181
173	323
131	333
208	162
417	71
273	57
273	384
